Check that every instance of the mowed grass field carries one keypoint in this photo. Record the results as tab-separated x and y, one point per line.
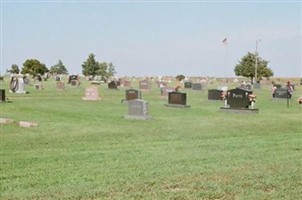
87	150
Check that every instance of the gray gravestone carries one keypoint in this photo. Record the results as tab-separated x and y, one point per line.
281	93
188	85
137	109
196	86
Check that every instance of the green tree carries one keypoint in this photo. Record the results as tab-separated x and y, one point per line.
180	77
14	69
58	68
246	67
90	67
34	67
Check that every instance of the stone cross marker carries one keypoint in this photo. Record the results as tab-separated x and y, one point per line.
91	94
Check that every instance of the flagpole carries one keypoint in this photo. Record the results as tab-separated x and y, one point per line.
225	58
226	62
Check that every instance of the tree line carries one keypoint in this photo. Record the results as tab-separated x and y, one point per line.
246	67
90	67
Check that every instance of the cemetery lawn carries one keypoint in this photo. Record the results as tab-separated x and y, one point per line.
87	150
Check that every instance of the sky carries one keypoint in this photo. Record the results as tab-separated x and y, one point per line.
153	38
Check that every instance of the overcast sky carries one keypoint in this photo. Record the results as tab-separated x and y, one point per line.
153	37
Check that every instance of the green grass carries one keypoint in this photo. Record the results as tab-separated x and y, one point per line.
87	150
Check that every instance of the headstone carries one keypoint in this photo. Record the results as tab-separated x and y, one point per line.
177	99
74	83
132	94
17	84
73	78
238	98
239	101
91	94
188	85
1	78
60	85
27	124
278	85
127	83
281	93
166	90
144	85
137	109
2	95
215	94
112	85
196	86
161	84
38	86
6	121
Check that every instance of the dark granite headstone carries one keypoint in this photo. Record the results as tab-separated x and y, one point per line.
72	78
177	98
132	94
281	93
74	82
112	85
238	98
38	86
196	86
2	95
214	94
188	84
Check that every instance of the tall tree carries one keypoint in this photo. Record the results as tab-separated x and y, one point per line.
246	67
58	68
90	67
34	67
14	69
111	69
